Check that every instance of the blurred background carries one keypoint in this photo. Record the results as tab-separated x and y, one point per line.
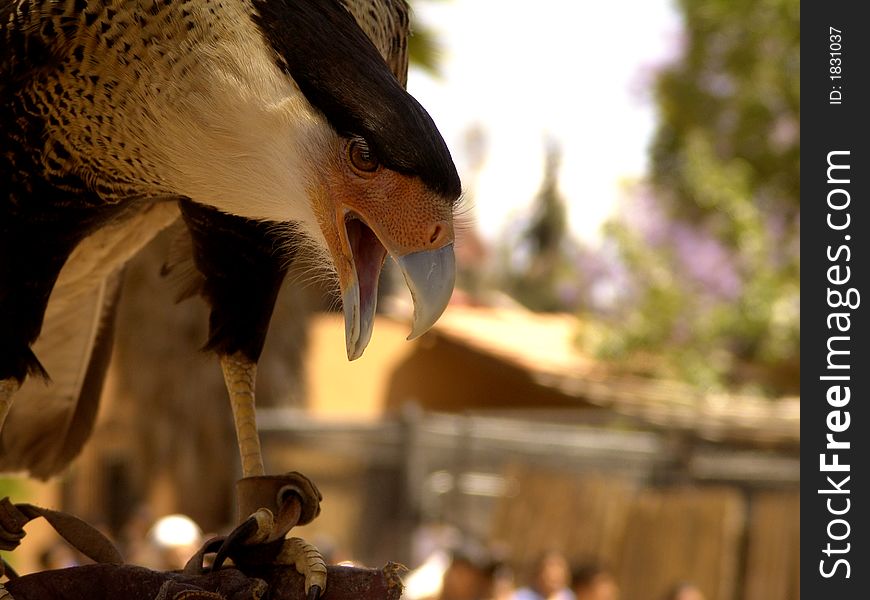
608	409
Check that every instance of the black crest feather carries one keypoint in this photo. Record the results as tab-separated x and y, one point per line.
341	73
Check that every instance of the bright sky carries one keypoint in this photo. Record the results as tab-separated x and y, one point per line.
572	69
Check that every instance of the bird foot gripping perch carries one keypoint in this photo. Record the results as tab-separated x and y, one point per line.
263	569
269	506
274	504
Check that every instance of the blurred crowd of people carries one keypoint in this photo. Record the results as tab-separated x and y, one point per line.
471	574
470	571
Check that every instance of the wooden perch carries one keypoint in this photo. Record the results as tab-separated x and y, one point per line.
113	582
255	576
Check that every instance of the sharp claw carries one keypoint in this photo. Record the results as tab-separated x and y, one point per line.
308	562
314	592
221	557
237	536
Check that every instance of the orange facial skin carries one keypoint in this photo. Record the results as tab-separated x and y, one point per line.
405	216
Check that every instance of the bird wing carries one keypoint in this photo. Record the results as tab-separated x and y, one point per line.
25	48
50	420
386	23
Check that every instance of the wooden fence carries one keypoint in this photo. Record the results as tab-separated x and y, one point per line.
731	544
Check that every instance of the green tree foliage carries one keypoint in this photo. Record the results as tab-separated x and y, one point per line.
538	258
711	242
424	47
736	92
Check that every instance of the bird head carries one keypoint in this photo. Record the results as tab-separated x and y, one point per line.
386	183
367	211
286	111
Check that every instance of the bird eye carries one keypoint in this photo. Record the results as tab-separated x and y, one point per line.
361	156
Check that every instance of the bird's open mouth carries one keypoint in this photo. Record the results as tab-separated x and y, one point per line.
360	299
429	274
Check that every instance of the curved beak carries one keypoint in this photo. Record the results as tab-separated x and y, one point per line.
430	276
358	321
396	215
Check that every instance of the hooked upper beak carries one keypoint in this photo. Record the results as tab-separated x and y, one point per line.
429	274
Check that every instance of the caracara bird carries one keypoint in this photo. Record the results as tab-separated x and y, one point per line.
272	127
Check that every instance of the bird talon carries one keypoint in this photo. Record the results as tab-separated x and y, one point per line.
278	502
308	562
265	520
258	528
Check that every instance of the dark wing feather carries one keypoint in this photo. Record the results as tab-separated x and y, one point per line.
51	420
386	23
25	46
184	278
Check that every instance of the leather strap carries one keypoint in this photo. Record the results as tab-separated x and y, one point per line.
80	535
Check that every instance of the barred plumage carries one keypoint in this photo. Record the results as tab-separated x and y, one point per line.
116	113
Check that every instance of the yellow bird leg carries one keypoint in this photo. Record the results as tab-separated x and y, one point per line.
239	375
